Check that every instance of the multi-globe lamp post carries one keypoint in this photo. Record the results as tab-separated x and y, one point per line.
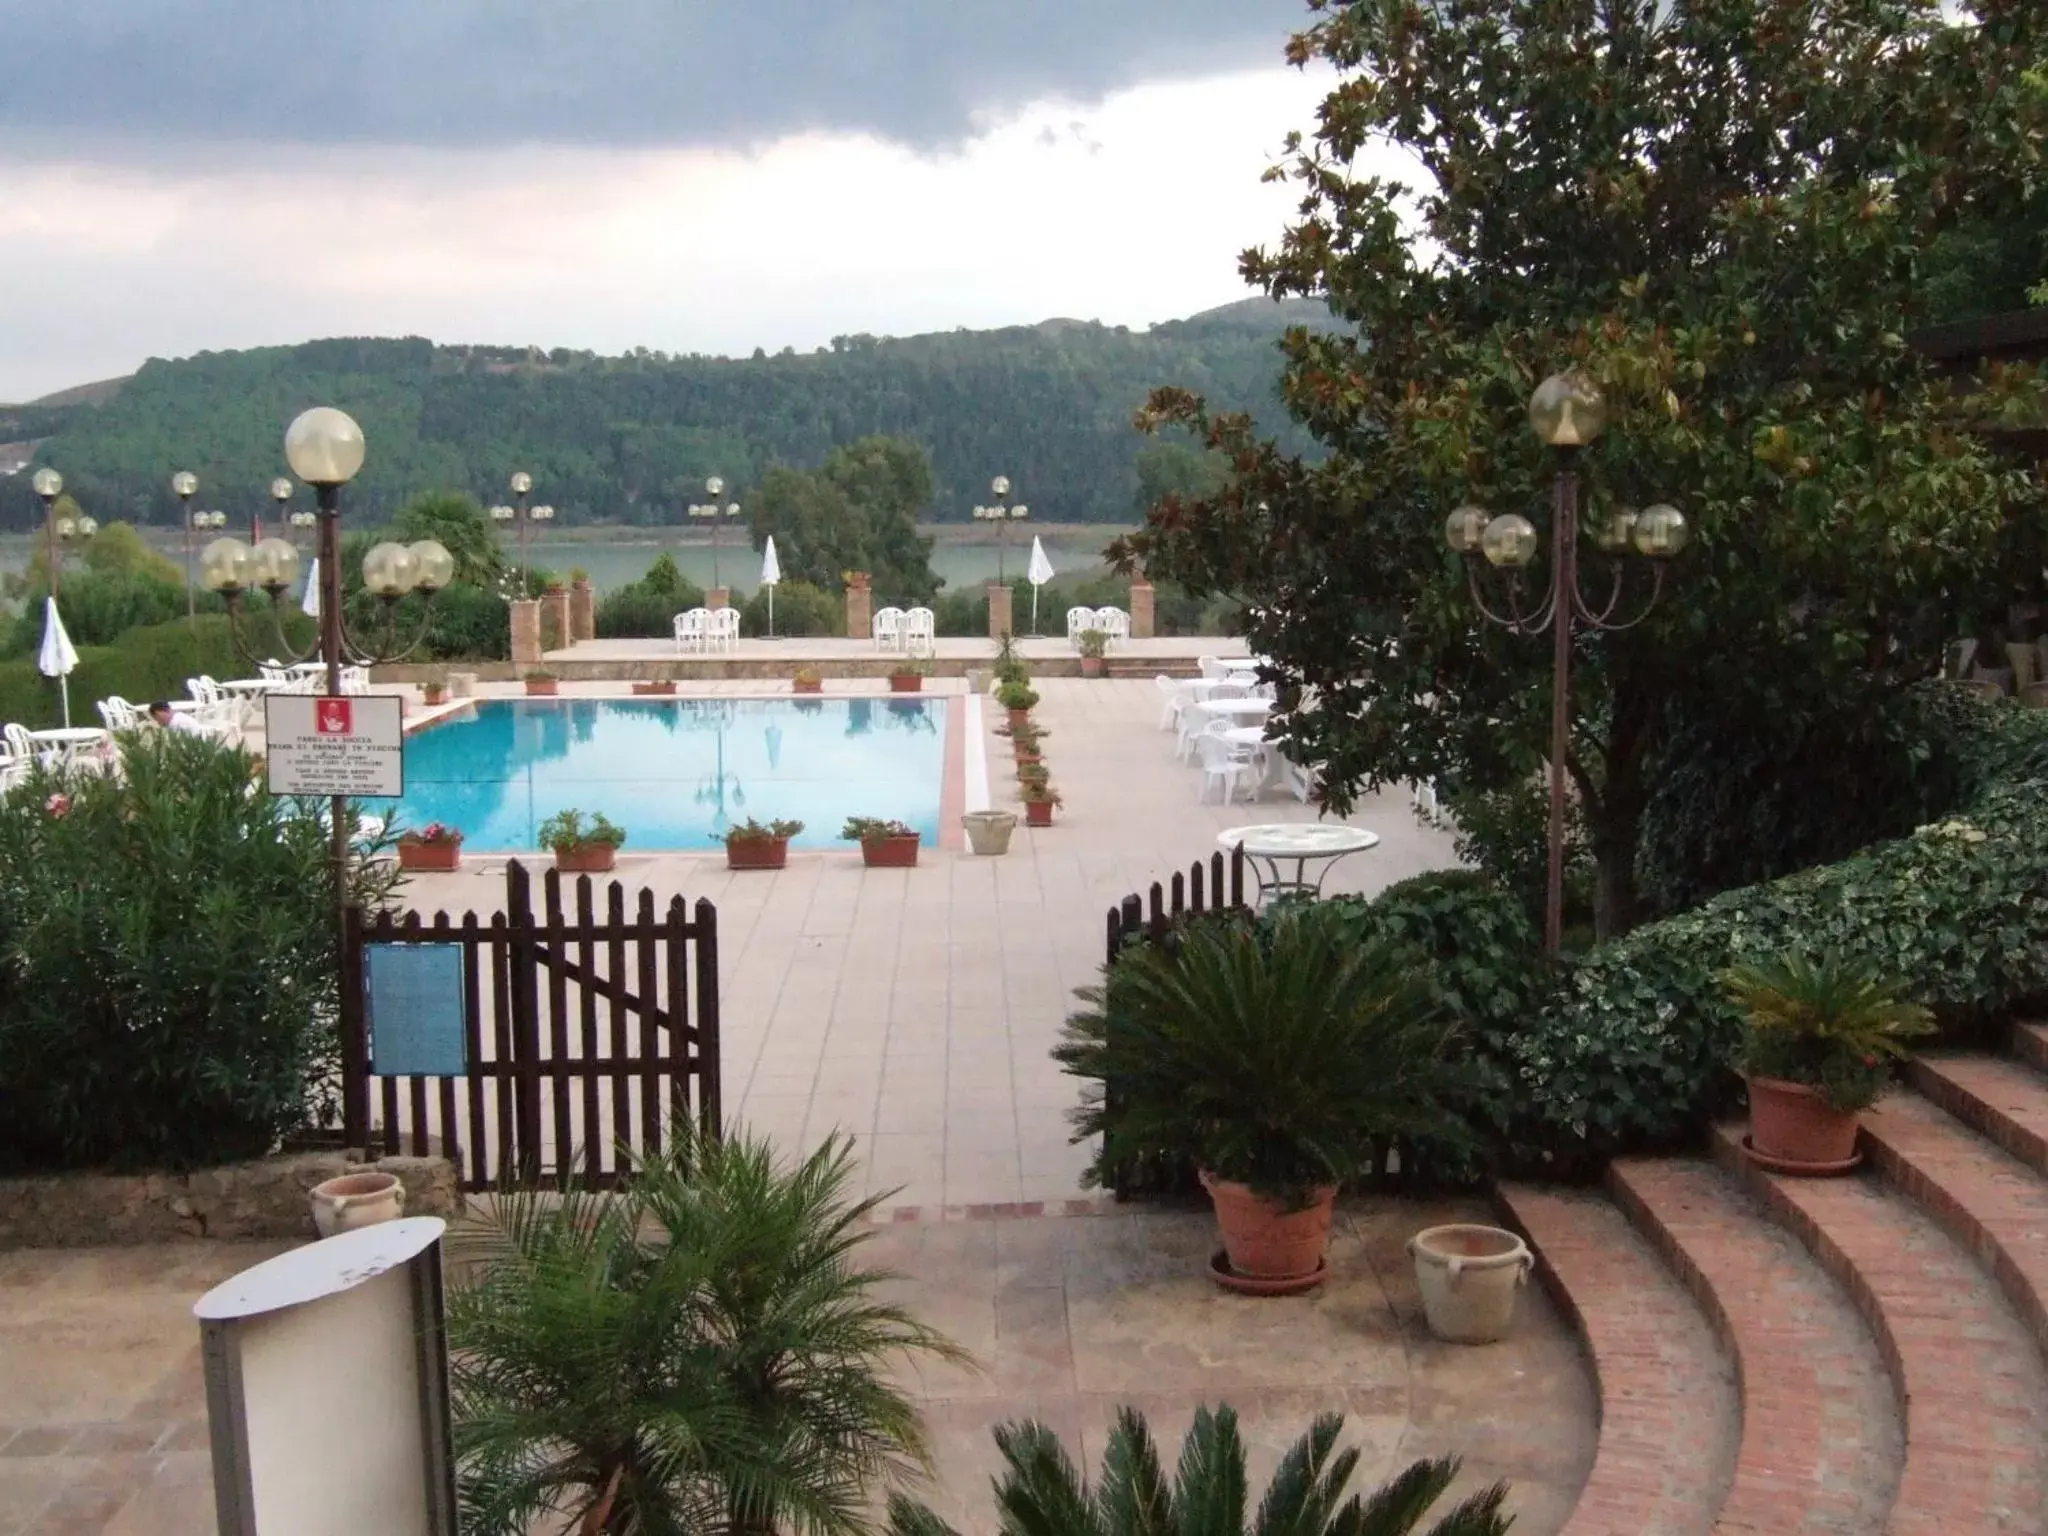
58	530
184	486
521	486
718	509
1002	514
1568	413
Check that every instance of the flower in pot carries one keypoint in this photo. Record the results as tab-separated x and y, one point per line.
1272	1052
541	683
580	847
1092	644
759	845
1019	698
1039	799
436	846
908	676
884	844
807	680
1819	1047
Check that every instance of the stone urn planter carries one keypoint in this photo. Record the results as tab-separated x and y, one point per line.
1468	1276
356	1200
1792	1129
1268	1251
988	832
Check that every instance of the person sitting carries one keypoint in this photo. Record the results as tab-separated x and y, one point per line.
162	713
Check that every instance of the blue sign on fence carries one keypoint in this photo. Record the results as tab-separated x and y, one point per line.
413	995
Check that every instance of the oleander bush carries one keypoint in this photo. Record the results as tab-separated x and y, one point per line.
167	962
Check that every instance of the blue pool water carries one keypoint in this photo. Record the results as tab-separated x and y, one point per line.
675	773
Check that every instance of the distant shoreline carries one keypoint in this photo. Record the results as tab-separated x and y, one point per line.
656	536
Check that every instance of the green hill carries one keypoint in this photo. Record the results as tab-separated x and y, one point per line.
629	439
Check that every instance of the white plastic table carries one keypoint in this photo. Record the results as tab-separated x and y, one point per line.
1300	843
71	742
1241	663
1246	709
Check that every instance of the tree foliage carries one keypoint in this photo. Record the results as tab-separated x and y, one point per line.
1718	210
858	512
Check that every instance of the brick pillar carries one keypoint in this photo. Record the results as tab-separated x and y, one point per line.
526	632
554	618
860	610
1142	617
999	598
582	611
718	597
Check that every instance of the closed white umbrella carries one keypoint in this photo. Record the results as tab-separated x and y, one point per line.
1039	572
58	656
310	603
771	573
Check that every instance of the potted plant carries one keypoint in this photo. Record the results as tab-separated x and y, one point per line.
884	844
581	849
908	676
1019	698
656	688
988	832
760	845
1039	799
1025	741
434	693
1271	1052
1093	643
542	684
807	680
1819	1046
435	847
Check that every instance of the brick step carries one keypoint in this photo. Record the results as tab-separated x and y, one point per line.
1966	1369
2000	1100
1982	1197
1664	1379
1821	1435
2030	1044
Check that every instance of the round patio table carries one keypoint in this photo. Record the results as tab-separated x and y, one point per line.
1236	709
1300	843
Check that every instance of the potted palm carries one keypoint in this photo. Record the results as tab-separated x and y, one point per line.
1019	698
1092	643
1270	1052
760	845
580	848
884	844
1039	798
908	676
807	680
436	847
542	684
1819	1046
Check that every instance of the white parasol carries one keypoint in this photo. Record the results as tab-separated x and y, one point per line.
771	573
310	603
1039	572
58	655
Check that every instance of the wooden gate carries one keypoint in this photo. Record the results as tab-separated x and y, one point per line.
578	1034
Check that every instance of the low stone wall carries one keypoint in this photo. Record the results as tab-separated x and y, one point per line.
263	1199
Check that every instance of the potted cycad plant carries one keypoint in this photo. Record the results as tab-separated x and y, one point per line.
884	844
760	844
542	684
908	676
1093	643
1819	1047
436	847
579	847
807	680
1271	1052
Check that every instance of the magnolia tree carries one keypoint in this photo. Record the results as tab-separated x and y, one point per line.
1712	209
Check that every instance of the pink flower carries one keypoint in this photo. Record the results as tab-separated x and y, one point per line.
58	805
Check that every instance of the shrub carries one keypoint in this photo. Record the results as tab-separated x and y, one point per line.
647	608
167	962
148	663
801	610
565	832
1829	1026
469	623
99	609
752	831
867	829
1017	695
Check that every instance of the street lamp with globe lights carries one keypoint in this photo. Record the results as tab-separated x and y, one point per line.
718	509
58	531
184	486
521	485
1568	413
281	493
1002	514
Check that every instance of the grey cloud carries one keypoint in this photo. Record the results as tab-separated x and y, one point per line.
158	74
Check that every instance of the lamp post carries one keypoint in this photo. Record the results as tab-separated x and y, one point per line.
58	531
1568	414
1002	514
717	509
184	484
521	485
281	493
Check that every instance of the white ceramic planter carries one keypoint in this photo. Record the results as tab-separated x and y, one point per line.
357	1200
1468	1276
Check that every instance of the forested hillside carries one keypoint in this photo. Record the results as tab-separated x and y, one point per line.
630	439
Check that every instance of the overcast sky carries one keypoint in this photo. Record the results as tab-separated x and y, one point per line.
689	175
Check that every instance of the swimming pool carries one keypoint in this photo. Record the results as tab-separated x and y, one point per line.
675	773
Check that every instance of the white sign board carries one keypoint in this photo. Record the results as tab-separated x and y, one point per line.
316	745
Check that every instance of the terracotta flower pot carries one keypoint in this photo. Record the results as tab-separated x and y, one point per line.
430	857
1026	756
434	696
590	859
799	685
1265	1243
757	853
356	1200
536	689
1796	1130
1091	666
906	682
1038	813
1019	717
890	852
654	690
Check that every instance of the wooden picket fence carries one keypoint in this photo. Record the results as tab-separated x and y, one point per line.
582	1033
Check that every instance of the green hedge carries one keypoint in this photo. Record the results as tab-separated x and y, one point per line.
148	663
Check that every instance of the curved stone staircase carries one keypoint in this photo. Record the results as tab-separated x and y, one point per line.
1858	1355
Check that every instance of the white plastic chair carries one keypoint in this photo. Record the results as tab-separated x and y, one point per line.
1115	623
725	629
1078	620
920	632
889	629
1213	669
116	713
355	680
1171	701
22	748
1228	764
689	630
